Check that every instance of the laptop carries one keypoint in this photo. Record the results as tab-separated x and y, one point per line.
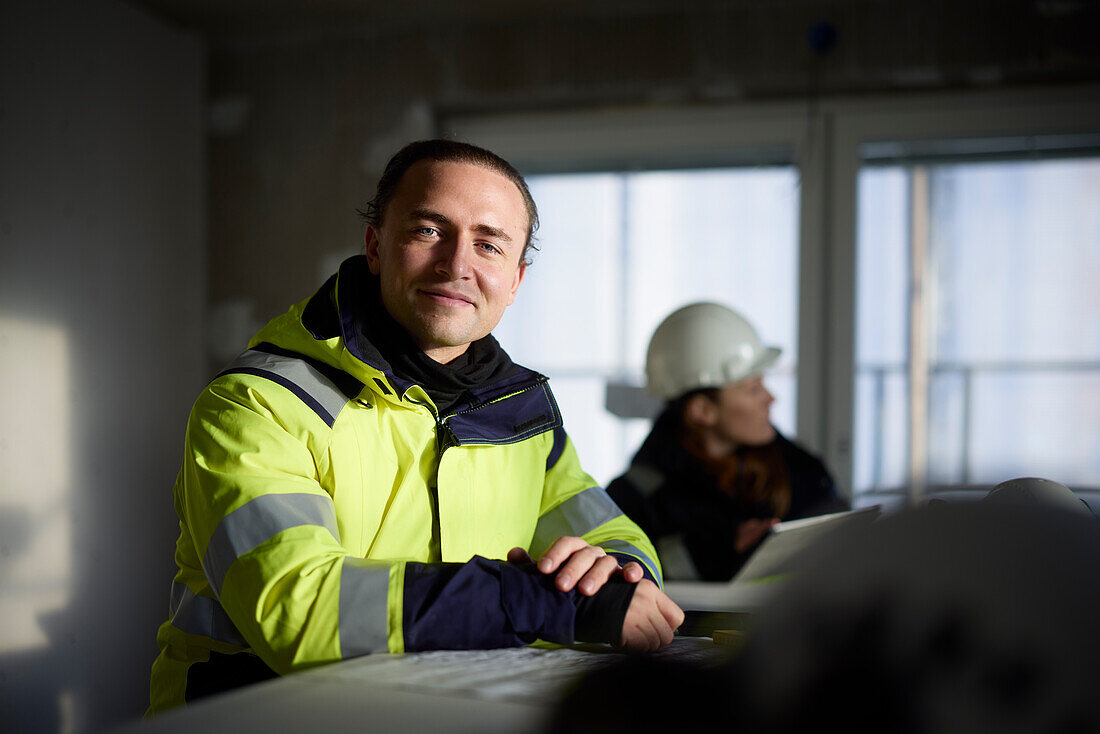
775	558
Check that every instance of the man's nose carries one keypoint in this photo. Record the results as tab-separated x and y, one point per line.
455	257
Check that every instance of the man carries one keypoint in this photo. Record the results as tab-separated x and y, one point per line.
374	473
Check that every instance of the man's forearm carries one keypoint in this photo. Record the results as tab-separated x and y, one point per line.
484	604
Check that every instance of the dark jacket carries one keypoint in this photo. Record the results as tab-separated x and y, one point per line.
681	507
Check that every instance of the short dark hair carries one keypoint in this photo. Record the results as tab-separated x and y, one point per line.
454	151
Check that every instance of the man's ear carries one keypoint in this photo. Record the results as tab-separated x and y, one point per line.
701	411
522	271
370	249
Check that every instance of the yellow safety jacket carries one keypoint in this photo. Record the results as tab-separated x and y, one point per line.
327	511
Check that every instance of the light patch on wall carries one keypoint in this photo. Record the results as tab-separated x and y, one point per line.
35	476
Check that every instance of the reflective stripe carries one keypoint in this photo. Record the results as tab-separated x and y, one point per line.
201	615
364	607
621	546
297	375
175	597
260	519
580	514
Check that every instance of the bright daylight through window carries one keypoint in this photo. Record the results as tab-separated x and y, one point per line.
978	324
620	251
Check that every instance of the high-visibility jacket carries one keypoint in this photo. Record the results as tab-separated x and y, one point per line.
327	511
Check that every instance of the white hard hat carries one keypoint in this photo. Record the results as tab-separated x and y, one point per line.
703	345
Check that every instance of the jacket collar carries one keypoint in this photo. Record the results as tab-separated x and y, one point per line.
348	306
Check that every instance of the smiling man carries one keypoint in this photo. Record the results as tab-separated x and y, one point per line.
449	254
374	474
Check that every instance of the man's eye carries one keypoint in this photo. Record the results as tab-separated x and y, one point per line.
487	247
426	231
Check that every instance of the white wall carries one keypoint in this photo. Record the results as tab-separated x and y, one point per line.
102	286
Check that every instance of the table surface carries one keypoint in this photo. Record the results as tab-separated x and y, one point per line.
508	690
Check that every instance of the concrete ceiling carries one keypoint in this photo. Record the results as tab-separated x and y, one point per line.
224	19
577	50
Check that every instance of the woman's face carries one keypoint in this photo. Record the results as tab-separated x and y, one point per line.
743	415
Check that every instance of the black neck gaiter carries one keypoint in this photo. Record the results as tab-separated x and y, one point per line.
446	384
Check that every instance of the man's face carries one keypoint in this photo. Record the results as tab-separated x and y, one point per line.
447	253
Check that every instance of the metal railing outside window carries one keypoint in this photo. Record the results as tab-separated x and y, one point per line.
978	324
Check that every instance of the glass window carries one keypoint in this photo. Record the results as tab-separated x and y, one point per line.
575	279
619	252
978	323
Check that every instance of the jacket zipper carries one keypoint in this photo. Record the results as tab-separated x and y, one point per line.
447	438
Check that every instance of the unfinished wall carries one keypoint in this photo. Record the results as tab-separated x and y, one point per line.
312	104
102	291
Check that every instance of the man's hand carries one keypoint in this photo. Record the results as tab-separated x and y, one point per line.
651	619
749	532
579	564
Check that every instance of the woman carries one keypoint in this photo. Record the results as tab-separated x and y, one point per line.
714	475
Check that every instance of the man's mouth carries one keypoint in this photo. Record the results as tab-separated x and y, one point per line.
446	298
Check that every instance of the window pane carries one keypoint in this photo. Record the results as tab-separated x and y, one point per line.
882	267
619	252
1011	312
1037	424
575	278
726	235
948	406
881	430
1016	250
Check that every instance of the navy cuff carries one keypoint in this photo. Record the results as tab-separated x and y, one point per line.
482	604
623	559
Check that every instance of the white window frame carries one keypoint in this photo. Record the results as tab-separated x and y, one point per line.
823	139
